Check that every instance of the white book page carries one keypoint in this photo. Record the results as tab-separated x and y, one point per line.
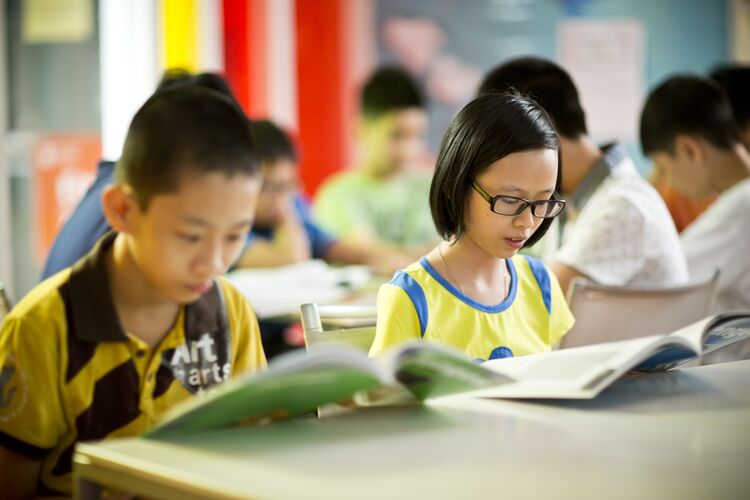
580	372
715	332
693	333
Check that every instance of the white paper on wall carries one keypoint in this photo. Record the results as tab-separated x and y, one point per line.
606	60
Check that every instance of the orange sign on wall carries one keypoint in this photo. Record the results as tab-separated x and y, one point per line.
63	167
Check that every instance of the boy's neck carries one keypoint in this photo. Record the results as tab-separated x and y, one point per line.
579	156
142	310
730	167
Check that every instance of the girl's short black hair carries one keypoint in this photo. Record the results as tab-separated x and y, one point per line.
486	130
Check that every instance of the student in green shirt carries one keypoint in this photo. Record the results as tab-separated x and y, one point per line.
384	200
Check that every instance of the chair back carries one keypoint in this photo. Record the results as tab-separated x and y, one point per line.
5	303
606	313
342	323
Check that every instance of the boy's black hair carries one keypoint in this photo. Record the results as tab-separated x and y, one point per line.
180	130
736	83
390	89
177	78
273	144
687	104
548	84
486	130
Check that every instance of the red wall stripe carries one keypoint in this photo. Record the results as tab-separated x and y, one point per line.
321	70
245	53
257	55
236	58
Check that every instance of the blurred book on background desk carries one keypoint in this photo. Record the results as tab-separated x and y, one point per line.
278	292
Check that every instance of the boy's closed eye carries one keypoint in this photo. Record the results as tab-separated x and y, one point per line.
190	238
233	238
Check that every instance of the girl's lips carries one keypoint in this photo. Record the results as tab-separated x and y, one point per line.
516	243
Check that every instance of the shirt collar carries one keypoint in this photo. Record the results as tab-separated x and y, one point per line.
93	311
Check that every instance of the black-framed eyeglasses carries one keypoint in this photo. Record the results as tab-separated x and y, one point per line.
512	205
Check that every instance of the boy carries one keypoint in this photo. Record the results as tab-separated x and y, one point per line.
102	349
87	224
688	130
735	80
384	202
616	228
284	232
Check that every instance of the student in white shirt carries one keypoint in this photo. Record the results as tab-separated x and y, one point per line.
688	130
618	230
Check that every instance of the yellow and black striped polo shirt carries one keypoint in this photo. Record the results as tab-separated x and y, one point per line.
69	373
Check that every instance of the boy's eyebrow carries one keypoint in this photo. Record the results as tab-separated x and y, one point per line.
191	219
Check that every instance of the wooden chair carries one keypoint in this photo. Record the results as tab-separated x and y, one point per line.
607	313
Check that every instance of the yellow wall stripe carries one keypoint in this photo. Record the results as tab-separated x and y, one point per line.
180	34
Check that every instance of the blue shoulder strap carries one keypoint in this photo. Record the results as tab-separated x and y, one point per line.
542	279
408	284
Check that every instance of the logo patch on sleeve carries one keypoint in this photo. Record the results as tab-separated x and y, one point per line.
14	390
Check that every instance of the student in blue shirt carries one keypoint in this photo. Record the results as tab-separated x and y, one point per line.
84	227
284	232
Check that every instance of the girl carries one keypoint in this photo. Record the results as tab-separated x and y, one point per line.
492	194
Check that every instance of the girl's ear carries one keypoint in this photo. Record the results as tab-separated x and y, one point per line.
689	148
119	207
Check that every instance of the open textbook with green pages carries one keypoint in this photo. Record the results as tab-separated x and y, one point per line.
299	382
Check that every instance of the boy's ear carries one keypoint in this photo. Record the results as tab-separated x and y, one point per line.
119	207
689	148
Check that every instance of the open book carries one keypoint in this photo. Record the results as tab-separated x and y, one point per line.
299	382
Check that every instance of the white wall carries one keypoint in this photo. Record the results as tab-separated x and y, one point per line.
128	58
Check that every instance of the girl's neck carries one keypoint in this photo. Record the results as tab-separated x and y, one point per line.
476	273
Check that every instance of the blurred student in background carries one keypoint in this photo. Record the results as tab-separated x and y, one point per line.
494	192
87	223
383	202
735	80
284	231
688	129
616	230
